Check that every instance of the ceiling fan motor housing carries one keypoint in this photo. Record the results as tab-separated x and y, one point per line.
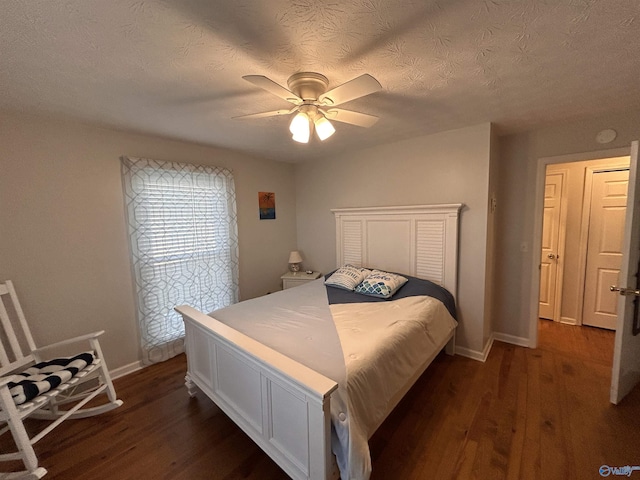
308	85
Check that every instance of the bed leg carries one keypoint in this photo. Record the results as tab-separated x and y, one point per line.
192	389
450	347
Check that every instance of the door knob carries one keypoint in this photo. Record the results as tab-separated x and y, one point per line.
625	291
551	256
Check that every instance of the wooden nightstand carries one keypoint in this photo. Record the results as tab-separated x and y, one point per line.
293	279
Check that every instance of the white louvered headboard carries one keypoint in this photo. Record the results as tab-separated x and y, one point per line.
418	240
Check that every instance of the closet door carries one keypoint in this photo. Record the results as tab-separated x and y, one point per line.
604	247
549	256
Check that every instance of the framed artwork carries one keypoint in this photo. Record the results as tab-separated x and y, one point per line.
267	205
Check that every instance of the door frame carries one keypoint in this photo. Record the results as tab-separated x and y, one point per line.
536	239
584	227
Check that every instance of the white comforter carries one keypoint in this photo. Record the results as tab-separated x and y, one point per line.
370	349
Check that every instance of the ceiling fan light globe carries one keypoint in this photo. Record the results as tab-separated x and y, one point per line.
301	138
299	124
324	128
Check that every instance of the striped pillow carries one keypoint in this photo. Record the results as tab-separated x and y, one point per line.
347	277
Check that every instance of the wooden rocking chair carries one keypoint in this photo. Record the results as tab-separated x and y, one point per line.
32	387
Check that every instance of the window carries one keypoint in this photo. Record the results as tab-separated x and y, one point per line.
184	246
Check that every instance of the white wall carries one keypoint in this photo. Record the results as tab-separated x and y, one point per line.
449	167
63	238
519	156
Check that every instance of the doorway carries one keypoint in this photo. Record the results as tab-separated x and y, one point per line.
534	299
583	210
625	374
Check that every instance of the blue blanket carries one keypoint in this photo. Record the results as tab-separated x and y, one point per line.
414	287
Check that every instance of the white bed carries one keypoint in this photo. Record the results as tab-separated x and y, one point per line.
284	405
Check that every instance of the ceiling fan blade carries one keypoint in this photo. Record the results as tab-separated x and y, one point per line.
272	87
356	88
273	113
349	116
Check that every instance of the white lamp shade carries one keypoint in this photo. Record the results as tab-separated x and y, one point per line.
300	128
295	257
324	129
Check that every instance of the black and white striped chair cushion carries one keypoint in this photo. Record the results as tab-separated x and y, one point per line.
46	376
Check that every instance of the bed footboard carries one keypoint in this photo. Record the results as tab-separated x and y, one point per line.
281	404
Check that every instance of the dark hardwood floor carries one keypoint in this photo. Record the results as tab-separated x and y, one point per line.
524	414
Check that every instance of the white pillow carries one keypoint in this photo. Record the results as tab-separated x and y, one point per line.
381	284
347	277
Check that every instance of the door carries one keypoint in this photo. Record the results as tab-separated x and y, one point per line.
604	247
626	353
551	225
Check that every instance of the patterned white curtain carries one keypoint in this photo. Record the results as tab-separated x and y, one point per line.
184	246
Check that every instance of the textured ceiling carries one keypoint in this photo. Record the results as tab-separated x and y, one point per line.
174	68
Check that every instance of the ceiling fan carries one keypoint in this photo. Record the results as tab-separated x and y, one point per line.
314	105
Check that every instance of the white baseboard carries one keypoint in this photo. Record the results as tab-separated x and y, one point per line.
462	351
512	339
126	370
475	354
569	321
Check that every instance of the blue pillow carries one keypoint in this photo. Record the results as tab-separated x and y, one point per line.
381	284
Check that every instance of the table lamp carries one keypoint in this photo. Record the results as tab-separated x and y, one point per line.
295	259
